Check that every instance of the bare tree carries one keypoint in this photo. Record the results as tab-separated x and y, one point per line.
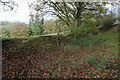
8	5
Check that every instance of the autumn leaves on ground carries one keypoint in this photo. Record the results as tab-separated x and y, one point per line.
62	57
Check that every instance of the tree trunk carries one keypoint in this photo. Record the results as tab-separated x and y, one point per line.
78	22
78	15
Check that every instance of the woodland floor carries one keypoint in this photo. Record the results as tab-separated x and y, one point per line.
35	58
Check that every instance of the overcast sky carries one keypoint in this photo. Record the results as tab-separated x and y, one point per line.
22	13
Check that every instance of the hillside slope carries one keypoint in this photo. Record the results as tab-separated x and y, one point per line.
62	57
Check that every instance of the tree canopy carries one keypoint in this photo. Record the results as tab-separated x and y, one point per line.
72	11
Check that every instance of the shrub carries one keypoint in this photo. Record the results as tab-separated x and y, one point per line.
36	27
108	21
87	27
5	33
84	29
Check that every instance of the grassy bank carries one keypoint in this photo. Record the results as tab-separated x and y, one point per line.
63	57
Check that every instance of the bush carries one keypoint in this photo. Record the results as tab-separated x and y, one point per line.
83	30
87	27
5	33
38	29
108	21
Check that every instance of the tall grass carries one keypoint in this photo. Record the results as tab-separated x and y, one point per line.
76	44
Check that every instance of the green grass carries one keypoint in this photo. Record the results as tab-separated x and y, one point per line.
99	61
108	47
